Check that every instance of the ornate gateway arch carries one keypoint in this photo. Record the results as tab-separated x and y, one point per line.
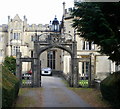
62	41
47	41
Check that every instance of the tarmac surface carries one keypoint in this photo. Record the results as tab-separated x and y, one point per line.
56	94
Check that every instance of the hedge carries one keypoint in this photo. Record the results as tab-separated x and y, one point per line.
110	89
10	88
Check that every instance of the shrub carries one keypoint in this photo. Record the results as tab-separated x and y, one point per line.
10	88
110	89
10	63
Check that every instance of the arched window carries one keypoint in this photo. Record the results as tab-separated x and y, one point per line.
51	59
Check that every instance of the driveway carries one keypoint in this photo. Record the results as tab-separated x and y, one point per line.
56	94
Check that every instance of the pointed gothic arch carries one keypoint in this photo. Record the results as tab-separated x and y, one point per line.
48	41
55	46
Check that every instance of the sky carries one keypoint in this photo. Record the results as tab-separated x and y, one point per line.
36	11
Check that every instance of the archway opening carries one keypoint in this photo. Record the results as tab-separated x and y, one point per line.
58	59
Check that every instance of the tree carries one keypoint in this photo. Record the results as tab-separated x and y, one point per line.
99	22
10	63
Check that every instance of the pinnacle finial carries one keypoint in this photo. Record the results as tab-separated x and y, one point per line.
63	3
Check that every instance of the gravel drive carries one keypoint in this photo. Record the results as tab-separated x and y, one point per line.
53	93
56	94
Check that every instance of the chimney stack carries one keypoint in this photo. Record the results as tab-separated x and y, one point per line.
8	18
63	9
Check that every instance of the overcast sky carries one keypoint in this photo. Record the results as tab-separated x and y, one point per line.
36	11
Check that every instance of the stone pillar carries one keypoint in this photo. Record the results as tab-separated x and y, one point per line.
35	70
36	37
36	65
75	82
92	70
71	75
74	76
32	66
38	73
19	67
1	84
37	76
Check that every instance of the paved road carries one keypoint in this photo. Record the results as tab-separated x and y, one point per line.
56	94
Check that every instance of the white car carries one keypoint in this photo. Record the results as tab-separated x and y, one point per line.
46	71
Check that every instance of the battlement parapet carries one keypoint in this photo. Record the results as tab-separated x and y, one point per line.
3	28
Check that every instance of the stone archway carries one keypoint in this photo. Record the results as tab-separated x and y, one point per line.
51	40
43	49
54	46
62	41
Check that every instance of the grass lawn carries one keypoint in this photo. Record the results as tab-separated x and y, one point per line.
92	96
29	97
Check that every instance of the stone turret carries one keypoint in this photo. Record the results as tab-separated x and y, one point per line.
25	19
66	12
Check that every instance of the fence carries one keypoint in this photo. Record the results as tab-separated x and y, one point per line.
26	80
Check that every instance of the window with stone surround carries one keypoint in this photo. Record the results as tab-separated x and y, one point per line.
1	37
51	59
32	38
1	52
15	49
88	45
16	36
85	68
